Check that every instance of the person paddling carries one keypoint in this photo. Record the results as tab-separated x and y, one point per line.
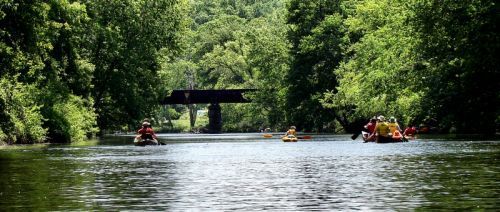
369	134
382	131
393	125
410	131
146	132
291	132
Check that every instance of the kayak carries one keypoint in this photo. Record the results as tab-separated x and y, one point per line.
289	138
143	142
397	135
411	137
268	135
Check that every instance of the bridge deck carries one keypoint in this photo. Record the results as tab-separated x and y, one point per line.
207	96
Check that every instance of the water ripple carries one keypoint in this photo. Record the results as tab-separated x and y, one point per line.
329	173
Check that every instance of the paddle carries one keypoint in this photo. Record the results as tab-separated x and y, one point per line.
404	139
355	135
158	140
304	137
357	132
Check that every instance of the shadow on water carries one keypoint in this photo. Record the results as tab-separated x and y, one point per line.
248	172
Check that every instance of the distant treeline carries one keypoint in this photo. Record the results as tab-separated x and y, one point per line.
69	69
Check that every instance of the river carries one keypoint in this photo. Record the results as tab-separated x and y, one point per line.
246	172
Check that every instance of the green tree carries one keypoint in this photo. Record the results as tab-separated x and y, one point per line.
421	60
460	69
378	76
125	40
39	50
20	118
236	44
316	35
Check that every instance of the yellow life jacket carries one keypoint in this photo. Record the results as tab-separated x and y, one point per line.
393	127
291	132
382	129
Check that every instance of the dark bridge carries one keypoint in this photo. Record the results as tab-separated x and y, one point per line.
212	97
207	96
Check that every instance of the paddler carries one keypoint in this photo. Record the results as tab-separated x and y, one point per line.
146	131
369	134
382	130
410	131
291	131
393	125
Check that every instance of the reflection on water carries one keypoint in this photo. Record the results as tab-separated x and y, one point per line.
244	172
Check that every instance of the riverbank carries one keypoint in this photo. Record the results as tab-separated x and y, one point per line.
5	146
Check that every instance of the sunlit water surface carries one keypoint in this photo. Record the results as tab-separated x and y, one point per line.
246	172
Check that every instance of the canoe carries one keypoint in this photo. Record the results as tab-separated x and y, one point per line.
289	138
367	137
144	142
391	140
387	140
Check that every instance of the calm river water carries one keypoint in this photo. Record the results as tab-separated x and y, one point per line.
246	172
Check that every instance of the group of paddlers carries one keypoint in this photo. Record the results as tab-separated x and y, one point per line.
376	130
381	131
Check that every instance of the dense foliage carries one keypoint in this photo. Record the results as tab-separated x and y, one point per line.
458	44
377	75
317	34
69	68
126	40
43	75
236	44
426	62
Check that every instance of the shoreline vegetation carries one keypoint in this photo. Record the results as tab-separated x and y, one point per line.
72	70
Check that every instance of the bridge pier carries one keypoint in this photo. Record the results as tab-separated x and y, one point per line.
214	118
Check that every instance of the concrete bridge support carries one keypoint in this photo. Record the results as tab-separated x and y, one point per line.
214	118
